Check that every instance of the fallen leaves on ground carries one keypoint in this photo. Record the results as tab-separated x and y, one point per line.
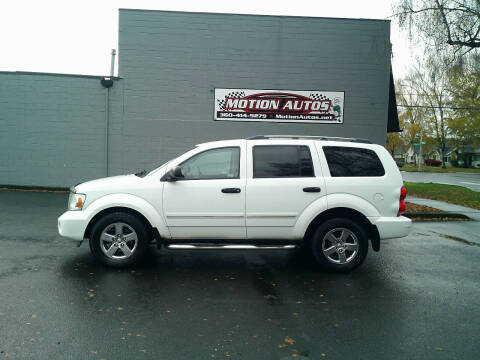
289	340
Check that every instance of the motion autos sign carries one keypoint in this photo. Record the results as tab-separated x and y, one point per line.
314	106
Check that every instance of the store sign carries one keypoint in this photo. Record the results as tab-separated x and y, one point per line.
312	106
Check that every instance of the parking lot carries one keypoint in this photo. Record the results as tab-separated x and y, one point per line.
416	299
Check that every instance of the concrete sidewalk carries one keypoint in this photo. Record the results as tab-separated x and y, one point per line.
474	214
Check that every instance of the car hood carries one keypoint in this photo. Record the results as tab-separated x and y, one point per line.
108	185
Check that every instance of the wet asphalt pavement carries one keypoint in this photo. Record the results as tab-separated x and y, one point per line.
419	298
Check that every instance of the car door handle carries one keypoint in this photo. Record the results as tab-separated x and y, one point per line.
231	190
311	189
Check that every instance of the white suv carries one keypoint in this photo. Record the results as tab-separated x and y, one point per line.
330	195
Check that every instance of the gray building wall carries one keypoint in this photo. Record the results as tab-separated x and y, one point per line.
52	127
172	61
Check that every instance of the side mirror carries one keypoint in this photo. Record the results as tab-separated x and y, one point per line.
173	174
177	172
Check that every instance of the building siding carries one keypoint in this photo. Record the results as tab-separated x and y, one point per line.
52	127
171	63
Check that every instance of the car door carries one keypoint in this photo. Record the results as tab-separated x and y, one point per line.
209	202
283	178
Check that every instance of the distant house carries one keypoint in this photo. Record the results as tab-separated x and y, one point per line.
429	151
412	155
466	156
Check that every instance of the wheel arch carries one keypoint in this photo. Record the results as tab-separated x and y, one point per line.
152	231
348	213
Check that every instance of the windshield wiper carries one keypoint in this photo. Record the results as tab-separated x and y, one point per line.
141	173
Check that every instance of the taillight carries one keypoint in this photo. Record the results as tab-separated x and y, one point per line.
402	206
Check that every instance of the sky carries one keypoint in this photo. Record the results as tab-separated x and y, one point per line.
76	37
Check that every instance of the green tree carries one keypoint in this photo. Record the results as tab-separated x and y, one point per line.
429	83
464	88
410	113
395	140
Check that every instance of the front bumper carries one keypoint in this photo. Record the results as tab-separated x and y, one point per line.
392	227
72	224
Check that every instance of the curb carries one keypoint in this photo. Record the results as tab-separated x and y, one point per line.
437	216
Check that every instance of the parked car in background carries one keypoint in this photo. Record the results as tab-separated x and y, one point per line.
400	162
433	162
330	195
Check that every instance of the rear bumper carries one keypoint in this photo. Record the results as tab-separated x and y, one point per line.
72	224
392	227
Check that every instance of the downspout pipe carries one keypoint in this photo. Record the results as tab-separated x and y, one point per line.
107	83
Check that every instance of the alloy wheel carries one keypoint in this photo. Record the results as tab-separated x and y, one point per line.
118	241
340	245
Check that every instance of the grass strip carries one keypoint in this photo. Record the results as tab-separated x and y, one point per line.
451	194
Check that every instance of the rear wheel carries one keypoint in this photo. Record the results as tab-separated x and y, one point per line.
119	239
339	244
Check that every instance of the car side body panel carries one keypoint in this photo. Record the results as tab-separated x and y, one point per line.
315	209
307	216
272	209
132	202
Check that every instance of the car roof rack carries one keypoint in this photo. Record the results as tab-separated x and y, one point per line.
309	137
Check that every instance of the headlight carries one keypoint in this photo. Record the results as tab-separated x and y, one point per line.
76	201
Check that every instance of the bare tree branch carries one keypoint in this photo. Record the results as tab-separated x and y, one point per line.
449	28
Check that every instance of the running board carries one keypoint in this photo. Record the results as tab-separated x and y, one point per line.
228	247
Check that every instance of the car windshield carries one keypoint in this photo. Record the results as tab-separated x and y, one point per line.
144	173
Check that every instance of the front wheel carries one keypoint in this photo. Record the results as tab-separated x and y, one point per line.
118	239
340	245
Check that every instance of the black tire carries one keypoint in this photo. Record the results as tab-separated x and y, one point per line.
130	222
333	227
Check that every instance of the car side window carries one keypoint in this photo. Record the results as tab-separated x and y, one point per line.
271	161
351	161
220	163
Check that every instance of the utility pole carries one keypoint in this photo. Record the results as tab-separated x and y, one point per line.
420	150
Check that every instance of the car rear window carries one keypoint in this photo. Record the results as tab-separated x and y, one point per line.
351	161
271	161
